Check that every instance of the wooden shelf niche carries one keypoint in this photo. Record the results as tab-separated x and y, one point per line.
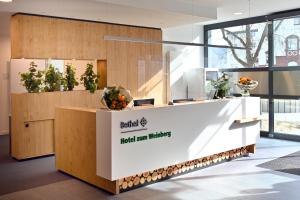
102	73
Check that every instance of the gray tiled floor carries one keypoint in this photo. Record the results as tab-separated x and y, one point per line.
238	179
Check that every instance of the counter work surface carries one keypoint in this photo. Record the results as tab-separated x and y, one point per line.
153	106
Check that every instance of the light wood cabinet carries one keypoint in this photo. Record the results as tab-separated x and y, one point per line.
33	119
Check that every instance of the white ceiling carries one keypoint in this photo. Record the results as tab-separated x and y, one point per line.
152	13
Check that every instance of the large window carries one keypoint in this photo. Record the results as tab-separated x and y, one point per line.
273	60
253	37
264	108
287	115
286	42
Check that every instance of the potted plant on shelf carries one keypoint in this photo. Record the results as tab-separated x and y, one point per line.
53	79
116	98
222	86
90	79
32	80
69	81
246	84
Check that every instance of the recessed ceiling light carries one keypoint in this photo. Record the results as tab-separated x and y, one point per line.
5	0
238	13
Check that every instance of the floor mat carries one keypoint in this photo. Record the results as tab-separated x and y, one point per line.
288	164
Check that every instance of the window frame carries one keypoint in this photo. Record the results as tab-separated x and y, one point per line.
270	69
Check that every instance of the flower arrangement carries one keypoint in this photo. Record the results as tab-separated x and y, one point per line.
116	98
246	84
222	86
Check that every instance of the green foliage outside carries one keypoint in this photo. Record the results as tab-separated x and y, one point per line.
89	79
32	80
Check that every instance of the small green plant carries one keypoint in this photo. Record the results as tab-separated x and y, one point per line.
32	80
69	81
90	79
222	86
53	79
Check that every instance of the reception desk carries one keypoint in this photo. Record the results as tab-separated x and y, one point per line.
120	150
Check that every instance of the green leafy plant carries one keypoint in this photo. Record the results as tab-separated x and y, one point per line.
222	86
53	79
32	80
90	79
69	81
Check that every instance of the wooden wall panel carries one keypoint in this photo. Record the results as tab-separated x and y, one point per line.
16	38
39	36
46	37
116	54
94	44
136	66
69	40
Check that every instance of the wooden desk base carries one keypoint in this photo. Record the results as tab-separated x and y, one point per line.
75	146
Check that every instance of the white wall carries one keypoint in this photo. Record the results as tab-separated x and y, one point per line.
182	58
4	72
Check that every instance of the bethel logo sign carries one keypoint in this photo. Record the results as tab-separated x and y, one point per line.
143	122
134	124
129	124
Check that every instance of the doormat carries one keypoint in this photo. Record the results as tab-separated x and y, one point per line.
287	164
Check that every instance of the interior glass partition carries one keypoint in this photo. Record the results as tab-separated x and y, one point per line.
185	71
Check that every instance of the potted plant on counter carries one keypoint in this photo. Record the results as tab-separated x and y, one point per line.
69	81
90	79
116	98
53	79
222	86
33	79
